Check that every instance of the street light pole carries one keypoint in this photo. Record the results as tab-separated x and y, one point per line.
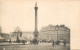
17	36
57	28
57	37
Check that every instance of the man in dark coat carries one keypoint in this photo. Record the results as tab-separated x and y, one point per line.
53	43
10	41
64	43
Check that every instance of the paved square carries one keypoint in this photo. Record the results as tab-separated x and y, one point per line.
41	46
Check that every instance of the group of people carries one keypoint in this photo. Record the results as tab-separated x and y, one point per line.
35	41
58	43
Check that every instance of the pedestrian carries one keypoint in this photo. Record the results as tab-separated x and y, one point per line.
57	42
23	41
53	43
10	41
64	43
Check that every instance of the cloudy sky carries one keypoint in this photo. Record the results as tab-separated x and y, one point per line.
20	13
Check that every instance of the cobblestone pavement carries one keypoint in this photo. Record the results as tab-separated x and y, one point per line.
41	46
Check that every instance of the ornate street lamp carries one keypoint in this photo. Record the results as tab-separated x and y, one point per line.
57	28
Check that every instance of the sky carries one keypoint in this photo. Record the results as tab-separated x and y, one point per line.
21	13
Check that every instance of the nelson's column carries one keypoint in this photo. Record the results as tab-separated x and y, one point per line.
36	31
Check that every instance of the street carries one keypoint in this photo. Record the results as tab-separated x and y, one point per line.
41	46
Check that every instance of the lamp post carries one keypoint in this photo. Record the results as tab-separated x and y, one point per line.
17	40
18	32
57	28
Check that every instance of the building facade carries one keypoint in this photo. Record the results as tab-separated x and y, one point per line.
55	33
4	36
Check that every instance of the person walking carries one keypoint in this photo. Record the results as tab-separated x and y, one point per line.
10	41
64	43
23	41
53	43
